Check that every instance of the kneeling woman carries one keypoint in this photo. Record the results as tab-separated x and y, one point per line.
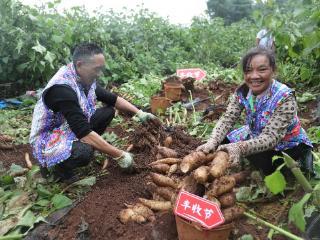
272	124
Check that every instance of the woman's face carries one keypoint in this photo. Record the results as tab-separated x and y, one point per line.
258	74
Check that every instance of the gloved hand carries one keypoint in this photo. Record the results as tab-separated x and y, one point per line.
211	145
234	151
144	116
125	161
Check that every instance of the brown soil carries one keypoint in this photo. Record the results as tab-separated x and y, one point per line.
100	207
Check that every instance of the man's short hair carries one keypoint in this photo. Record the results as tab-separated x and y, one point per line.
83	51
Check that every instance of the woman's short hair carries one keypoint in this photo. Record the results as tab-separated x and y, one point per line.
246	59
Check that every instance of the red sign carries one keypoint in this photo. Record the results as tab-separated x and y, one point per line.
195	73
198	209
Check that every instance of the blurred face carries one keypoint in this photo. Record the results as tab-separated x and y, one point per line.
258	75
91	68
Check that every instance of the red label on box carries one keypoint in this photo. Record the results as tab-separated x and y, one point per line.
195	73
198	209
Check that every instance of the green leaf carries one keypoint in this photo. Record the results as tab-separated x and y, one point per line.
246	237
274	158
14	168
5	60
296	214
243	194
306	97
275	182
19	46
39	48
57	39
27	220
60	201
42	203
50	57
21	67
89	181
43	192
6	180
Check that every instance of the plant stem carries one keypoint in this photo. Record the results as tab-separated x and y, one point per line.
12	237
279	230
291	163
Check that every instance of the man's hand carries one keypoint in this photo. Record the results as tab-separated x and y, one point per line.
211	145
125	161
234	151
144	116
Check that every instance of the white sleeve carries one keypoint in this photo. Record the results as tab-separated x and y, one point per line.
260	34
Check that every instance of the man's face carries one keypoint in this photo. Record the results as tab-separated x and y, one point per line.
258	75
90	69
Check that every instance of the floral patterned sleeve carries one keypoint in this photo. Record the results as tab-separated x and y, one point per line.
227	120
274	131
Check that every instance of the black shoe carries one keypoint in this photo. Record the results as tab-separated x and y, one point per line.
44	172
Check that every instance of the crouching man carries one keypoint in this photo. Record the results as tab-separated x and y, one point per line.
66	124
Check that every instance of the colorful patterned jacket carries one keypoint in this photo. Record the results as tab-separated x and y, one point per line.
51	137
258	118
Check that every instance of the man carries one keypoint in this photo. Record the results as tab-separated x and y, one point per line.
66	125
265	39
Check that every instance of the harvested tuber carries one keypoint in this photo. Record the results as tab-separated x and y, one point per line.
210	156
129	148
156	205
169	161
167	142
222	185
232	213
173	168
212	199
189	184
201	174
227	199
165	192
240	177
157	197
219	164
160	168
144	211
27	159
192	161
167	152
105	164
127	215
163	181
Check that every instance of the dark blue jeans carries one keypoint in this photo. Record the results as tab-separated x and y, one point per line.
82	153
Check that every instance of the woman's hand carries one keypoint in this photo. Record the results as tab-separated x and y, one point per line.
234	151
211	145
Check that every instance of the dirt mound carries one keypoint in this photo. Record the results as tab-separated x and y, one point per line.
101	206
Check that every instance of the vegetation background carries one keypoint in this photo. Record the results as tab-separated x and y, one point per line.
36	41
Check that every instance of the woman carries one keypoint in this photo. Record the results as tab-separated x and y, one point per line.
272	124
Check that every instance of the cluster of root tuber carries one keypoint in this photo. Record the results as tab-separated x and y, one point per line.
206	175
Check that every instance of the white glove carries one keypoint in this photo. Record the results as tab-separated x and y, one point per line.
144	116
125	160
